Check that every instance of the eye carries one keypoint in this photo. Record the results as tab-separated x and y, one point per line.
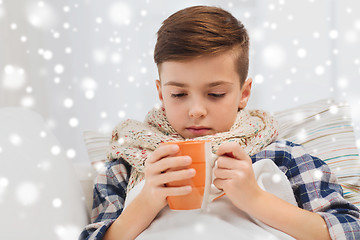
178	95
216	95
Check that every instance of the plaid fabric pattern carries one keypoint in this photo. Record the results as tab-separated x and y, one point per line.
315	188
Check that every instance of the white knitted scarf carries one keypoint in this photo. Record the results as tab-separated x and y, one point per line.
134	141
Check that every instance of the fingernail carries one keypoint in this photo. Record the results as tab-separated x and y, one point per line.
192	171
188	188
187	159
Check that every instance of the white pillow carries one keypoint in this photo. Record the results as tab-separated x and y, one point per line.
325	129
40	196
86	174
97	144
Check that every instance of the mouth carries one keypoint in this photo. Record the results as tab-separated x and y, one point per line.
198	130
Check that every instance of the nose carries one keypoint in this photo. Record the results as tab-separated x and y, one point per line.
197	109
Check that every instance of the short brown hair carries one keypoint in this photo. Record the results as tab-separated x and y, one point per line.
202	30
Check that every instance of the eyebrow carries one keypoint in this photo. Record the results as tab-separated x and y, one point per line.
176	84
217	83
213	84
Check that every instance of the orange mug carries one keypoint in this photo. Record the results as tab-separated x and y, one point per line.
203	191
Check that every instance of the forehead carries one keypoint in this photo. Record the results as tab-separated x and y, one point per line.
204	69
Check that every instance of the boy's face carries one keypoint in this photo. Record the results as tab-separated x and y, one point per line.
202	96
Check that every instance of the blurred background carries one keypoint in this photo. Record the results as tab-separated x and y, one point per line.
88	64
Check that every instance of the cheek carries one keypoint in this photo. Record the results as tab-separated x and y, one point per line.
174	112
230	111
230	116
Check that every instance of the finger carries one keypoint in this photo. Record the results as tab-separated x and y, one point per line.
220	183
172	176
234	149
163	151
231	163
223	173
177	162
176	191
227	162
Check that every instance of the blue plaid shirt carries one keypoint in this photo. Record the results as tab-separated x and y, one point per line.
315	188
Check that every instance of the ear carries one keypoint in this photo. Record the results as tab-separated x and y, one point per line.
245	93
158	87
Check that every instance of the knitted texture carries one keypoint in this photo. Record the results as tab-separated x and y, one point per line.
134	141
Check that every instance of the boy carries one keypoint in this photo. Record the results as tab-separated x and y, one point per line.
202	54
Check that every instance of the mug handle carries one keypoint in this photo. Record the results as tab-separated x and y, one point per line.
210	192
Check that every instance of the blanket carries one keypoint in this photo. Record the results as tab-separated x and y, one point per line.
221	219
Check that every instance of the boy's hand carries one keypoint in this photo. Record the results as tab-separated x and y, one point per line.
156	175
234	174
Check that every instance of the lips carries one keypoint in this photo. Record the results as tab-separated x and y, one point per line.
198	130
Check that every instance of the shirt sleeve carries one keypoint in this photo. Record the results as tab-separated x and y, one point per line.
108	198
316	189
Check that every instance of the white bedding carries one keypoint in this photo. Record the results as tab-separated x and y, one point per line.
221	219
